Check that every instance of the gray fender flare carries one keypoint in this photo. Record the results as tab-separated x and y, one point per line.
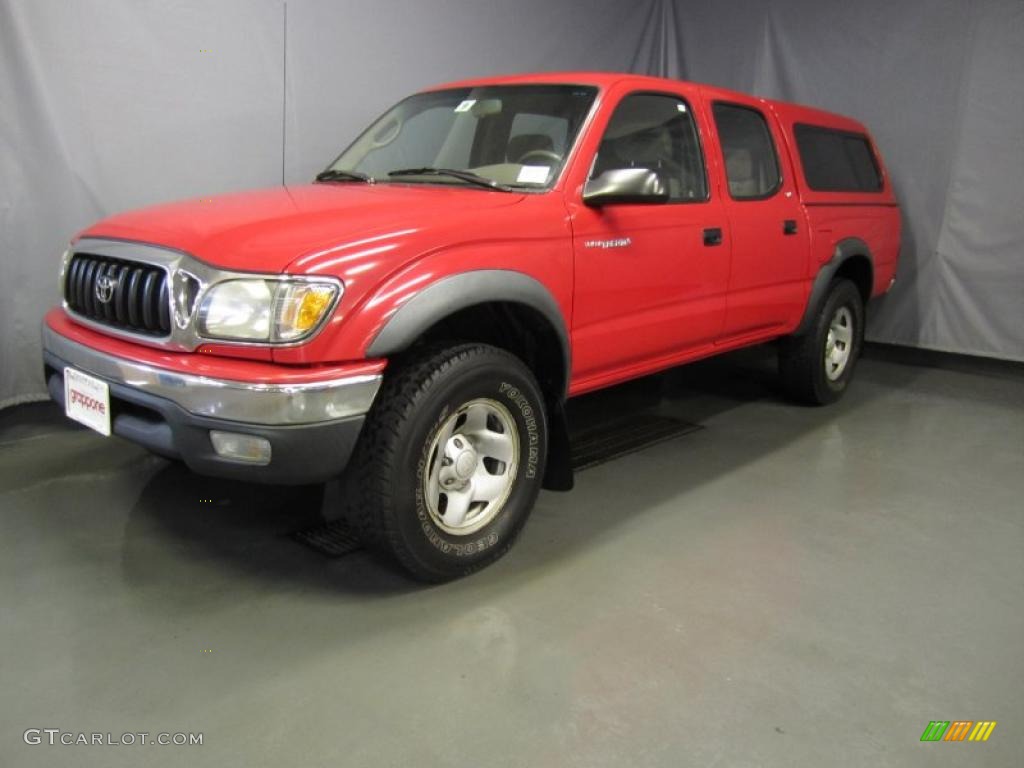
845	249
450	294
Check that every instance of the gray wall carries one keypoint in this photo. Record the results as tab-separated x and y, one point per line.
940	83
107	106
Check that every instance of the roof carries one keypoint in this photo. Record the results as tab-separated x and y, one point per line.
599	79
788	111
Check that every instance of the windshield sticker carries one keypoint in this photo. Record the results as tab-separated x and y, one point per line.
533	174
466	105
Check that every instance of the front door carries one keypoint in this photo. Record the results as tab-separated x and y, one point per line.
650	277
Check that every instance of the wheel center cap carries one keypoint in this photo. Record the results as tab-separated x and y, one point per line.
465	464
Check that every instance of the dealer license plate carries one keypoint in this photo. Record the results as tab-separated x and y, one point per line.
87	400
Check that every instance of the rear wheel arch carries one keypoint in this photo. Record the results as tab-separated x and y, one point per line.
852	260
858	269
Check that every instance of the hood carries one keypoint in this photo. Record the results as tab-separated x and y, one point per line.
267	230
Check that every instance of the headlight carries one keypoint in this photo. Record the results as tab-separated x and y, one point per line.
265	310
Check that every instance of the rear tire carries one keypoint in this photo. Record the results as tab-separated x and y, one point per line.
450	461
816	366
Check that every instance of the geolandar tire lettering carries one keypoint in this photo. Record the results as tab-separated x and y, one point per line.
816	367
450	460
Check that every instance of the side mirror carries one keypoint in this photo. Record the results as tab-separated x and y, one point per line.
625	185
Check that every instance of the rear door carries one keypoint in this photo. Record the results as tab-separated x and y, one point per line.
770	247
650	278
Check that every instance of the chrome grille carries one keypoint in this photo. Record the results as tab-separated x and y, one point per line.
136	295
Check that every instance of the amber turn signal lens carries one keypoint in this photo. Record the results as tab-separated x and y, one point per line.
301	308
312	307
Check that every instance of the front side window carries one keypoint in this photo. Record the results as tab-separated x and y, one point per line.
656	132
515	136
837	161
751	165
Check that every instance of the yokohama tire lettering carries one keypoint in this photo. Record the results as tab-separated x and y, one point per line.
533	441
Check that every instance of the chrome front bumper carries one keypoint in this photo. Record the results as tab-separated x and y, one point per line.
243	402
312	428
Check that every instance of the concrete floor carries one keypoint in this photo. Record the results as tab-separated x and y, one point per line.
786	587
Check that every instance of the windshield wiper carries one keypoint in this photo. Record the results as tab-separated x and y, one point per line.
467	176
336	174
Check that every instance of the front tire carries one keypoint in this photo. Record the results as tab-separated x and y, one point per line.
816	366
450	461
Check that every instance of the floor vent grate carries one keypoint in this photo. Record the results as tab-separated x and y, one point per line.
333	539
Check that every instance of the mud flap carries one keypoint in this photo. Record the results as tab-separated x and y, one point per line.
558	475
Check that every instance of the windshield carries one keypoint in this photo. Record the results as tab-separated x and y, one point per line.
497	136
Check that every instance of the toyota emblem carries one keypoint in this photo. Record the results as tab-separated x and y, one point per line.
105	286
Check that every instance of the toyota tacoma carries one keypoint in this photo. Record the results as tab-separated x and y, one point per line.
415	319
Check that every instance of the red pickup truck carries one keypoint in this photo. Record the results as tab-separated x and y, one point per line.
483	251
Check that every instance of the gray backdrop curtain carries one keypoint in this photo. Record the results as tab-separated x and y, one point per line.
107	106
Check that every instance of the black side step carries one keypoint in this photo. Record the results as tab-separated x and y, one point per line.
598	443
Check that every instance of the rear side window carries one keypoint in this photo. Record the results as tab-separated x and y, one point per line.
837	161
751	165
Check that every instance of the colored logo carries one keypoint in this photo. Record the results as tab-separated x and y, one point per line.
958	730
